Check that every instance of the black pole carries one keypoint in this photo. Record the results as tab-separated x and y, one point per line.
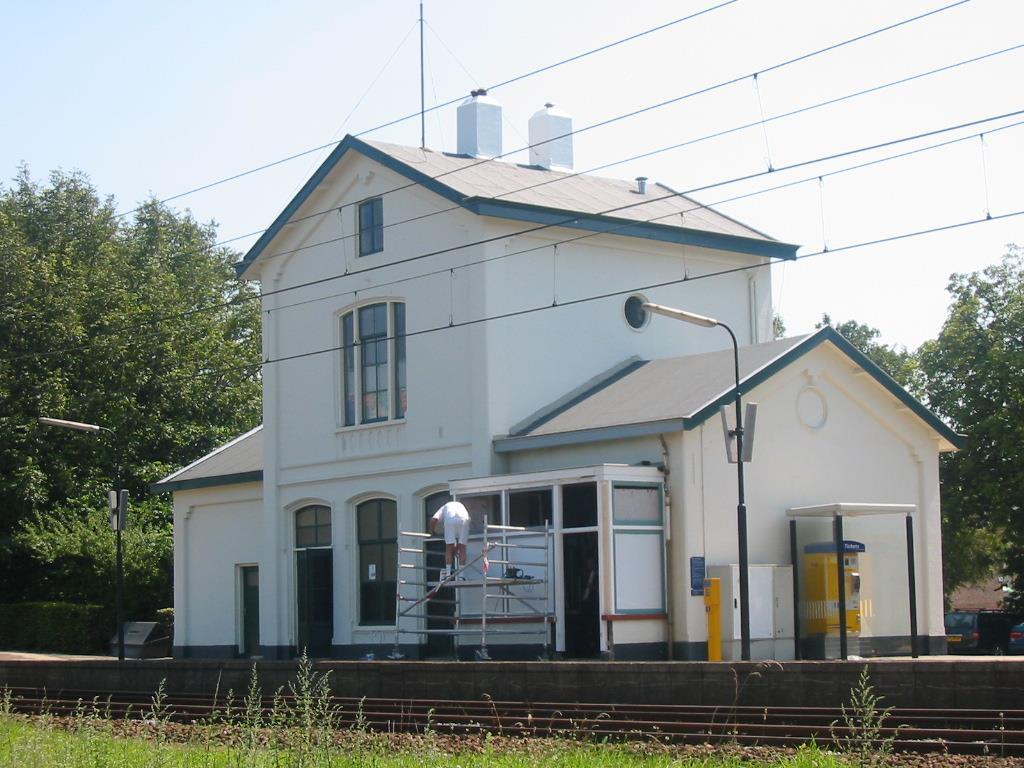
120	592
837	527
912	583
119	563
741	508
796	589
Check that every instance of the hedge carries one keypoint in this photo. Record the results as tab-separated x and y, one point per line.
55	627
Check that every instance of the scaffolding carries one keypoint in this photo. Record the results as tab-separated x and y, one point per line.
508	598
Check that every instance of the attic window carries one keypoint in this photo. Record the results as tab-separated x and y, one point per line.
371	226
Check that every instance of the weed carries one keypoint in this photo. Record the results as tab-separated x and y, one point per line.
862	734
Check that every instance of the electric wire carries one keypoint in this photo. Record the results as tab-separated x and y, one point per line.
658	105
611	231
450	102
672	194
662	284
644	155
721	201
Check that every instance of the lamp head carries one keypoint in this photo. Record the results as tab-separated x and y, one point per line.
681	314
81	427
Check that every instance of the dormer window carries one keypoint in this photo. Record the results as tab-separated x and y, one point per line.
373	363
371	226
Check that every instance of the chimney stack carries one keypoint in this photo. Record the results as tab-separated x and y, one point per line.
551	139
641	185
479	125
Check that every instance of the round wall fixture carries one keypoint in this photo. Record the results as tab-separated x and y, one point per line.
633	309
811	407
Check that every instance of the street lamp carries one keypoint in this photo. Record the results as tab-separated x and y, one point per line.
117	506
741	506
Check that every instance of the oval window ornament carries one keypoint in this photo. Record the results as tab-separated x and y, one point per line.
633	310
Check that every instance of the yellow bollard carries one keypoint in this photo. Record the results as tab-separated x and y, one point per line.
713	608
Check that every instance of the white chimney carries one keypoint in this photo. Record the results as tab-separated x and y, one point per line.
551	139
479	123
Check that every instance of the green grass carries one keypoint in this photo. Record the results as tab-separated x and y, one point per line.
89	741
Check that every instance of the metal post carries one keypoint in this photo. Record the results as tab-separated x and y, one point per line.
795	557
837	530
120	594
912	584
423	102
482	653
741	508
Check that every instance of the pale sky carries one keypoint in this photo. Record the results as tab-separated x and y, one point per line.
151	98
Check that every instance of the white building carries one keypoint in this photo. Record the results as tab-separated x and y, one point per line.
439	324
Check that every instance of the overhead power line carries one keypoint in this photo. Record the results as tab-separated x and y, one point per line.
450	102
544	246
722	201
662	284
642	155
618	209
658	105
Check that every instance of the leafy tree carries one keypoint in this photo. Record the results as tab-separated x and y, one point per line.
894	360
137	324
974	374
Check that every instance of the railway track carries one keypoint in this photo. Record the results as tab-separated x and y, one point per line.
913	730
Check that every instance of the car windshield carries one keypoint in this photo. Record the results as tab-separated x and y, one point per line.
960	622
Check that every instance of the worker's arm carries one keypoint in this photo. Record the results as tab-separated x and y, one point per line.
433	525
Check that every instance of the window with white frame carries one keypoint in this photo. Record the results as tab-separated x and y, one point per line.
373	363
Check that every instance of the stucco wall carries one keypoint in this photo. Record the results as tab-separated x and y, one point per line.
215	530
826	432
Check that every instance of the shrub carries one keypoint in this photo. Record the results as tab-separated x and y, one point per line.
55	627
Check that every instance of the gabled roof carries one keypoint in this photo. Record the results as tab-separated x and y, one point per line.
681	393
240	461
539	196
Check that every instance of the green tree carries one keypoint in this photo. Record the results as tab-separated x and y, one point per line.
894	360
138	324
974	377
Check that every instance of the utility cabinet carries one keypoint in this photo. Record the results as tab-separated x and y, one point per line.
771	611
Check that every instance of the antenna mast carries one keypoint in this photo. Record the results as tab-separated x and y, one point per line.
423	104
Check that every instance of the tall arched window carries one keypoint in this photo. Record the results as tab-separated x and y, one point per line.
377	528
314	569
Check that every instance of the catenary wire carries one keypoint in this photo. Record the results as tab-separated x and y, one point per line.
611	231
647	154
450	102
658	105
664	284
672	194
722	201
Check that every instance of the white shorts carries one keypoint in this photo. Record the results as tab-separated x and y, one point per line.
456	531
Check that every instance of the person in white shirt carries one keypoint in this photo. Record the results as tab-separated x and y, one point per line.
454	518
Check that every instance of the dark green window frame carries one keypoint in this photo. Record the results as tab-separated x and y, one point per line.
373	366
377	534
371	226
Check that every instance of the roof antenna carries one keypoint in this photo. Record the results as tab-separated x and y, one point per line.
423	104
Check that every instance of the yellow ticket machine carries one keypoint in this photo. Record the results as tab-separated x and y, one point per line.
821	587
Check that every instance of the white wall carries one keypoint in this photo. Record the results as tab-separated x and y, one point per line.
215	530
868	449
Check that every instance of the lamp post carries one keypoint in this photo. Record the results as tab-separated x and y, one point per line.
119	599
741	506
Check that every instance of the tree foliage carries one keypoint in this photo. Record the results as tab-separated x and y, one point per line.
974	377
137	324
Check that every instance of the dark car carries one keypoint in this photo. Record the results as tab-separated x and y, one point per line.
981	632
1016	645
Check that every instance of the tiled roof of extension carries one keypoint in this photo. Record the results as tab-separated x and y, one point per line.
544	197
680	393
240	461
